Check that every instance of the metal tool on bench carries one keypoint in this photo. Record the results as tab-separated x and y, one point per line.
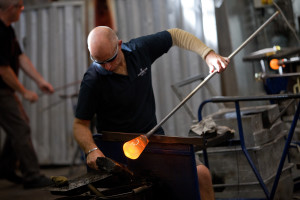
133	148
111	166
112	181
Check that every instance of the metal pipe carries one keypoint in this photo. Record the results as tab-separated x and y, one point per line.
254	34
265	76
180	104
287	22
210	75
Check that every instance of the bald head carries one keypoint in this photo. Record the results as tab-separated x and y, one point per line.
4	4
102	42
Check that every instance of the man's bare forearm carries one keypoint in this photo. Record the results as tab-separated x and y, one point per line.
84	138
83	135
29	69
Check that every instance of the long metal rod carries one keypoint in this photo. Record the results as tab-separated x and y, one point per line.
211	75
254	34
180	104
265	76
287	22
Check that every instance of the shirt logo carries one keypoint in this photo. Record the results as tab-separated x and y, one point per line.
143	71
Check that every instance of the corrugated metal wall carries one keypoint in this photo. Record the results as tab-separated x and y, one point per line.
53	37
140	17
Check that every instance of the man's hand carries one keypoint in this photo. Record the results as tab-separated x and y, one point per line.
46	87
216	62
30	96
92	157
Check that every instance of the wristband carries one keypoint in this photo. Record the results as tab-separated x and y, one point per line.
91	150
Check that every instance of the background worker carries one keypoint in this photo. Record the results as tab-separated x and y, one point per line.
117	87
13	119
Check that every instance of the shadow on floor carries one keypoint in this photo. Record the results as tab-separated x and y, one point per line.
11	191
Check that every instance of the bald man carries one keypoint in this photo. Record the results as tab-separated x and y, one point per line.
117	87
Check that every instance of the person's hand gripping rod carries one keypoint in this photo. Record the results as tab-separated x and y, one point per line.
133	148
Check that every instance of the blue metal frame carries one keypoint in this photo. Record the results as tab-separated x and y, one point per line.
236	100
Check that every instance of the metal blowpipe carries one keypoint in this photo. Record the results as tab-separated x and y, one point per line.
135	147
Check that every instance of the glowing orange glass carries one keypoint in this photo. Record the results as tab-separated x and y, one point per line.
274	64
133	148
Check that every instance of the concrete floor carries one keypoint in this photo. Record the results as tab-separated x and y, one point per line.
11	191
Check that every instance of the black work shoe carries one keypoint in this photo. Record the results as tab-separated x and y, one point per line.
39	182
12	177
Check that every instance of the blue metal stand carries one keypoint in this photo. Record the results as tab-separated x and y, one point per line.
236	100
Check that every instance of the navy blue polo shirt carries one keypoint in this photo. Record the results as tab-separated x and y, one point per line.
124	103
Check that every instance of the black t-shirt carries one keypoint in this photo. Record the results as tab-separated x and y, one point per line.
9	51
124	103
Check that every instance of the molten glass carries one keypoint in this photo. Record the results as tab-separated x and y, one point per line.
275	64
133	148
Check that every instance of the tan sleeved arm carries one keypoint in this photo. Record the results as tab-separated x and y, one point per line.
189	42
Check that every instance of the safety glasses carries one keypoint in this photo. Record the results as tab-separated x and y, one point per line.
106	61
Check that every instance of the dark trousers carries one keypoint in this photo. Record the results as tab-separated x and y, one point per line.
18	143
